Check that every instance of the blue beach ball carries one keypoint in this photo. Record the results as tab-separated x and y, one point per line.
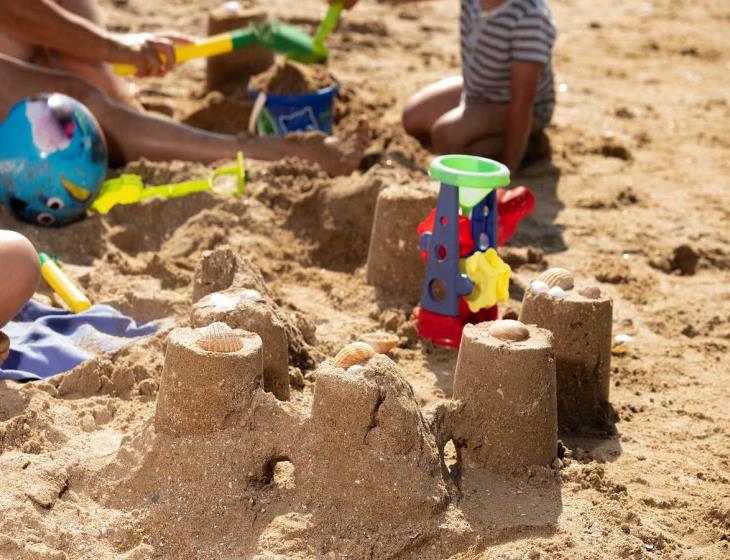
53	159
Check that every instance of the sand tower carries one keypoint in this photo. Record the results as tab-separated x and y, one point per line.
209	376
580	320
240	65
505	382
394	265
245	308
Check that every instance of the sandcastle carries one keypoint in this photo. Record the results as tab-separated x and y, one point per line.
193	403
505	384
237	66
363	447
394	265
580	320
245	308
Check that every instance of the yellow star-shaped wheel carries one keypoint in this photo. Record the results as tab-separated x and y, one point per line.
490	275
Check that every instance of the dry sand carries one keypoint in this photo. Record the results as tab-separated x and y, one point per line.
635	198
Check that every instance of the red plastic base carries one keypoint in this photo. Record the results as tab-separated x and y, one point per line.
512	206
446	331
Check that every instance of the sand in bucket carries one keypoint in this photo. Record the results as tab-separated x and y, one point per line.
293	97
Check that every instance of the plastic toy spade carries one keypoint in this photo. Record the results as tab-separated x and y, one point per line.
129	189
274	35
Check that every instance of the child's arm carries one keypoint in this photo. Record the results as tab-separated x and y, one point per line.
46	23
347	4
523	89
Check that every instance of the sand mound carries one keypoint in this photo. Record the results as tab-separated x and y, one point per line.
292	78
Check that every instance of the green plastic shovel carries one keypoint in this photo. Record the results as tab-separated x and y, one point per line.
129	189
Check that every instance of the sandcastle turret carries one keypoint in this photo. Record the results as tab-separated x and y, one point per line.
210	375
394	264
580	320
505	382
244	308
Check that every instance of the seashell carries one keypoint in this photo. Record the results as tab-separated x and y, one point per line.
539	287
353	354
558	277
381	341
590	292
219	337
509	330
556	292
620	343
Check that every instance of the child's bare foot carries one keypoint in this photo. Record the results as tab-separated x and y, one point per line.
335	155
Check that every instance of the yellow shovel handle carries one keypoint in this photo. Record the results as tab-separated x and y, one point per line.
212	46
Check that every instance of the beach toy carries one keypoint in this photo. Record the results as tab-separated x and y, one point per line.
275	35
53	159
129	189
462	284
282	114
63	285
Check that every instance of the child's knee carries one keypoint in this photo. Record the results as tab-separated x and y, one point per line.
412	118
20	257
443	139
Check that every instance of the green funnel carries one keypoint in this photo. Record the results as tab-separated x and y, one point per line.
474	176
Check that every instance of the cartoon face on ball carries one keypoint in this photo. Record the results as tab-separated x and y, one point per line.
52	160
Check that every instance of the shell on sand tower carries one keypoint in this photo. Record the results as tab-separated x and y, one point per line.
382	342
561	277
352	354
509	330
219	337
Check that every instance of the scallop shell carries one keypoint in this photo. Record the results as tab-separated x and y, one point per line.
590	292
509	330
219	337
558	277
352	354
382	342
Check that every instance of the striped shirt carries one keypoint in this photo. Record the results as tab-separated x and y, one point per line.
516	31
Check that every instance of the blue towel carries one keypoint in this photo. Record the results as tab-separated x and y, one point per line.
45	341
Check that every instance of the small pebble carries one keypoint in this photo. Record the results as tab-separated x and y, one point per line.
539	287
556	292
354	370
590	292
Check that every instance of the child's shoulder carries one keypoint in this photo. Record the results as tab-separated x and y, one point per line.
533	10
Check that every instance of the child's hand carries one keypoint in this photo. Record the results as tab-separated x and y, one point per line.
151	54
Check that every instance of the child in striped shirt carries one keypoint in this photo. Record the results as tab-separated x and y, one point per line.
504	97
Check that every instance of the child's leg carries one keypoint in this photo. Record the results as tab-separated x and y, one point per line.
424	108
472	129
20	272
132	135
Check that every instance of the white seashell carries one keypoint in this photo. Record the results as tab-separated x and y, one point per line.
558	277
219	337
556	292
354	370
590	292
509	330
352	354
251	295
382	342
621	343
539	287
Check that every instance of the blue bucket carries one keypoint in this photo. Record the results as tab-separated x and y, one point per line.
297	113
